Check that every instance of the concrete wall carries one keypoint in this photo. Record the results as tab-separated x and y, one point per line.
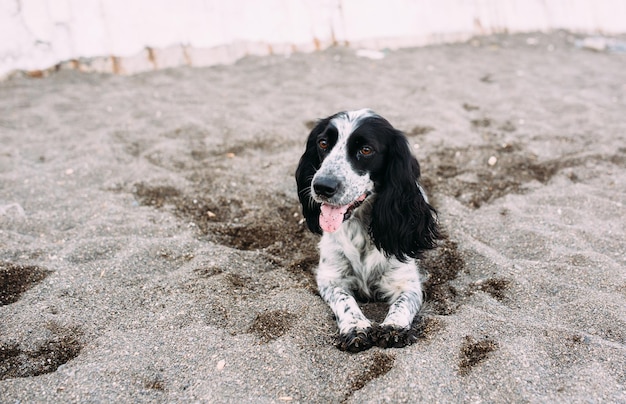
126	36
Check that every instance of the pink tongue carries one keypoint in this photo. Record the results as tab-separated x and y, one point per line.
332	217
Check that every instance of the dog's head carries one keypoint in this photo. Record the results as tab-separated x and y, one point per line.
355	155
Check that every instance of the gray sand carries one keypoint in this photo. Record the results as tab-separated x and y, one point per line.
151	244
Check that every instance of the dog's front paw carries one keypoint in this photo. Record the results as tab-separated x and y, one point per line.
356	340
390	336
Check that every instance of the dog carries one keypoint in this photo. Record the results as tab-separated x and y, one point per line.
358	185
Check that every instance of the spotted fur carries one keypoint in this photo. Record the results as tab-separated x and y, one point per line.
373	254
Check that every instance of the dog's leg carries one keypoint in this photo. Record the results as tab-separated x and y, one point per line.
354	328
403	288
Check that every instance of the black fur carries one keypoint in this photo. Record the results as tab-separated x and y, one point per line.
403	223
309	164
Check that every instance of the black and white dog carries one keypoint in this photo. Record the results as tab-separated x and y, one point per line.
358	186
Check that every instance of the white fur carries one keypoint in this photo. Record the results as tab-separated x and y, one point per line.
349	262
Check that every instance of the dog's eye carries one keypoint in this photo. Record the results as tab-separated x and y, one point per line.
366	151
323	144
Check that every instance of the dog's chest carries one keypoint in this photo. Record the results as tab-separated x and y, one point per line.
362	262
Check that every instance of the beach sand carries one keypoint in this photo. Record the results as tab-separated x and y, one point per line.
152	247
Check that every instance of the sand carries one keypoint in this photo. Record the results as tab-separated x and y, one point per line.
152	247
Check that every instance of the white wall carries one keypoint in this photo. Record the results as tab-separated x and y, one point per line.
114	35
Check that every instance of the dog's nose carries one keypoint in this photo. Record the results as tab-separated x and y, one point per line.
325	186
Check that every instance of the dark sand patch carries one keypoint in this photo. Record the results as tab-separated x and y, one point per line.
496	287
443	266
270	325
474	352
479	175
59	348
375	365
16	279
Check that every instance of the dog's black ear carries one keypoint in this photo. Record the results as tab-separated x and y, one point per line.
309	164
403	223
